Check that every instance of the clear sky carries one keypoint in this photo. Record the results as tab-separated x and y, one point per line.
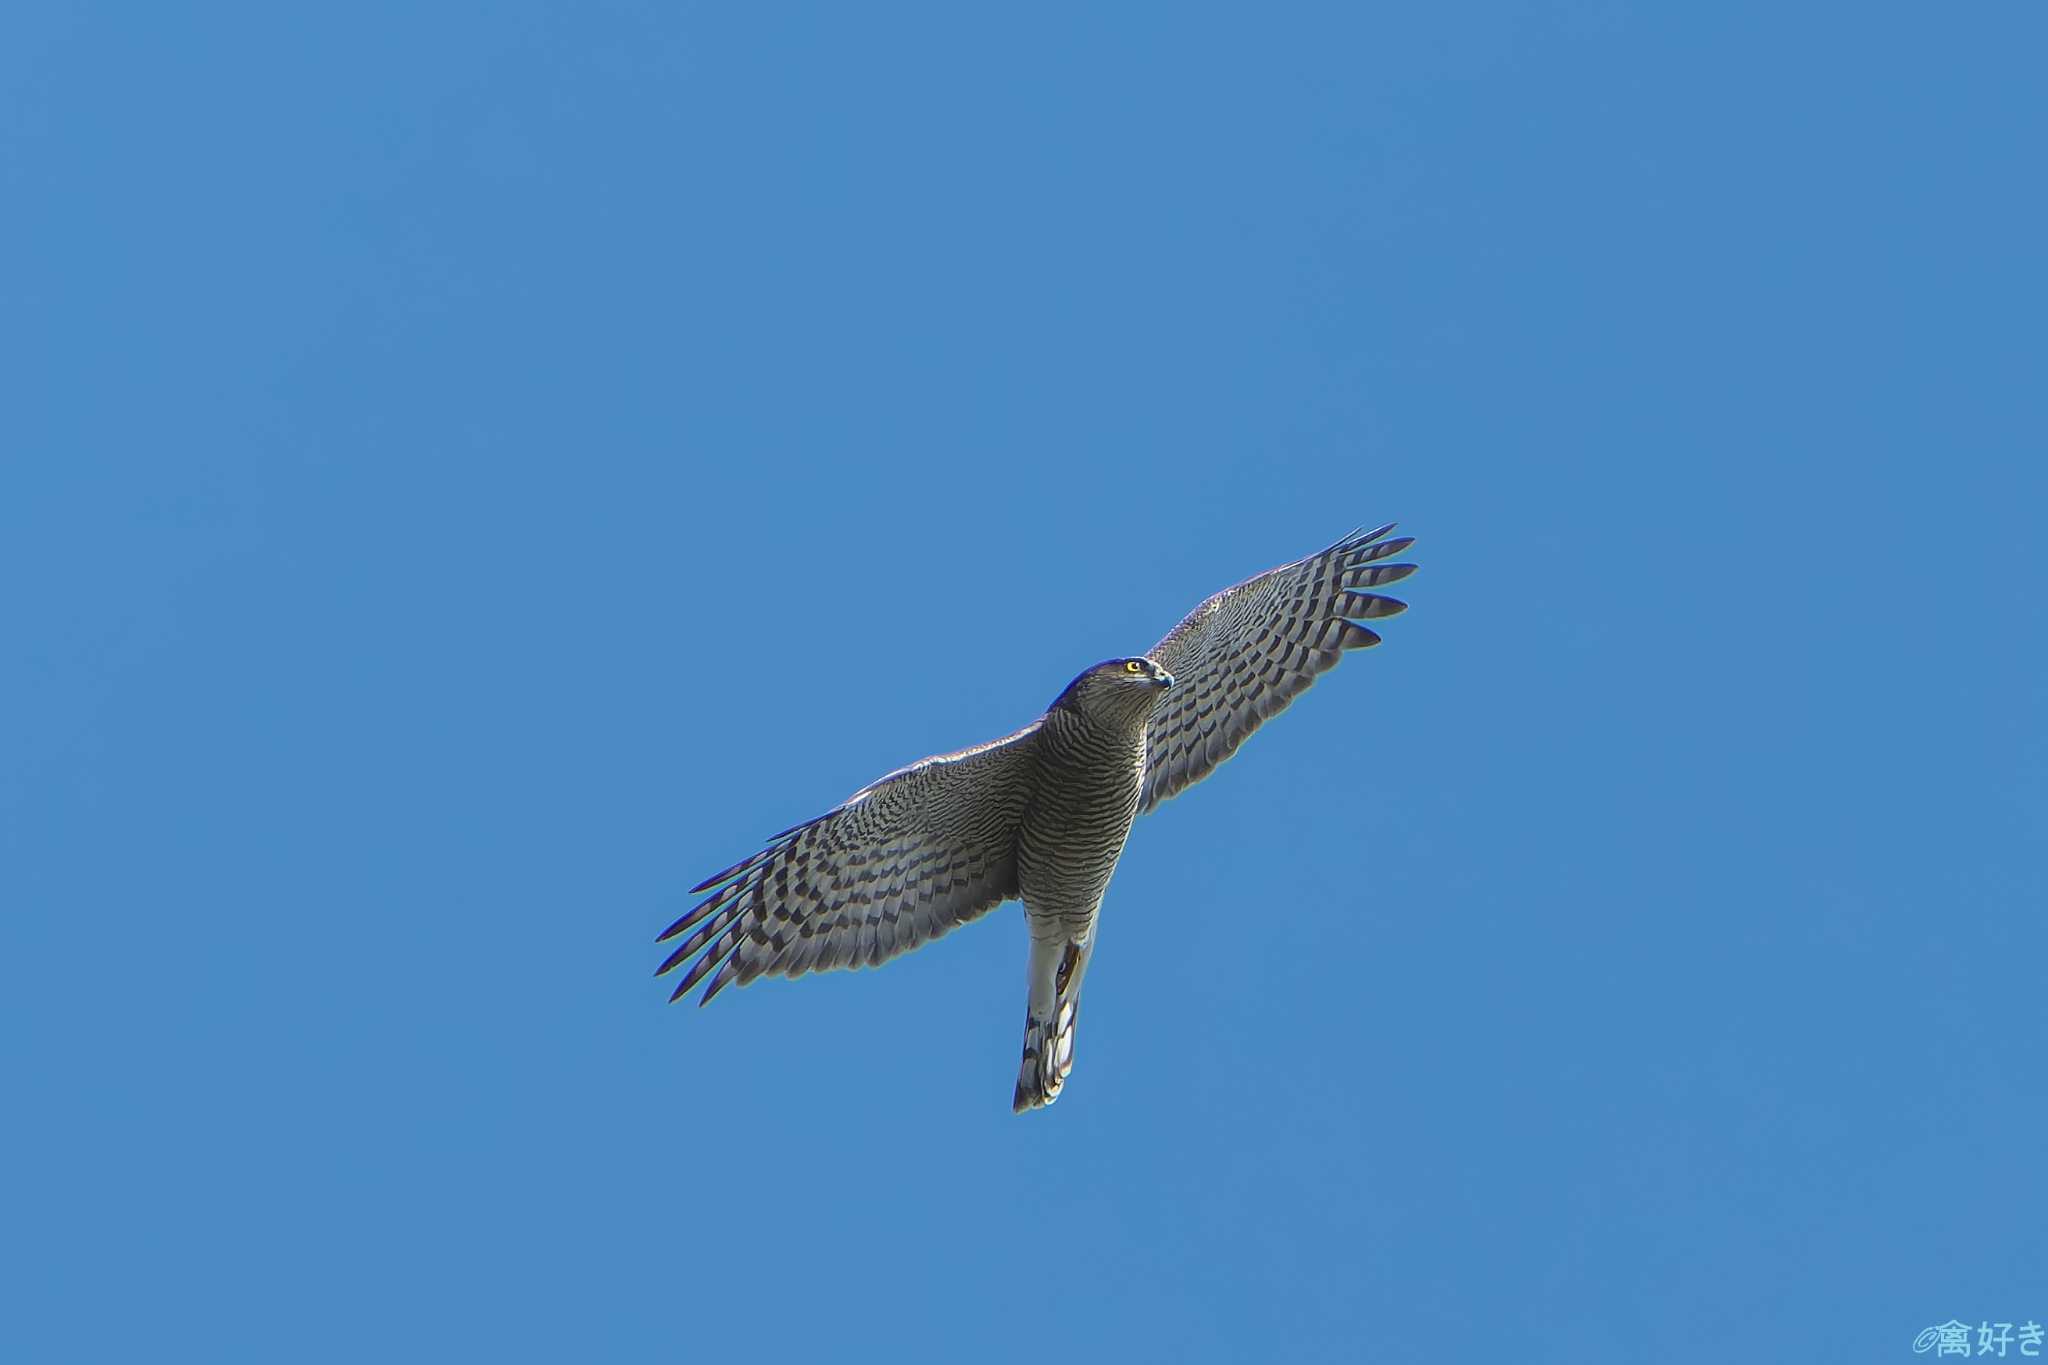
469	471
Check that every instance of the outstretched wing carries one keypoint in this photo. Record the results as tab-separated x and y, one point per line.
1244	654
904	860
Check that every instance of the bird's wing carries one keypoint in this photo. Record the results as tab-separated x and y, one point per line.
1244	654
901	862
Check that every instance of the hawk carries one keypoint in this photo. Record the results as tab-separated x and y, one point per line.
1040	815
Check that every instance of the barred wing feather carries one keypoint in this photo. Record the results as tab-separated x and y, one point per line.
904	860
1246	653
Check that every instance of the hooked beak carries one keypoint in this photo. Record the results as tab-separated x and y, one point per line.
1163	678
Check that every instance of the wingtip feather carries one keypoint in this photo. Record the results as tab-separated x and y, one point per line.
728	971
1370	606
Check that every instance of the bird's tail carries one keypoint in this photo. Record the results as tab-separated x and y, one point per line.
1049	1020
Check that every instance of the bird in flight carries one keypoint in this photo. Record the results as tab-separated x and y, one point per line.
1040	815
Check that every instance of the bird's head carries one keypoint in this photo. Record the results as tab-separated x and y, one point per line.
1117	689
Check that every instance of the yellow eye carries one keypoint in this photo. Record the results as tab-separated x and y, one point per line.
1133	666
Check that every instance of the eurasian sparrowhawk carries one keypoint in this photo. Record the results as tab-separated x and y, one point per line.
1040	815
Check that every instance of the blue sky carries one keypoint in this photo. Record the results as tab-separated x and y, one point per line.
467	472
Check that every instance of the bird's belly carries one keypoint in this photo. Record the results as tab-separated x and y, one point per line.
1067	849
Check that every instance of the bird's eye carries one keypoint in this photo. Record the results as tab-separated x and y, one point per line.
1133	666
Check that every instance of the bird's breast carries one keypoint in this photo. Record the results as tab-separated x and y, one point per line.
1071	836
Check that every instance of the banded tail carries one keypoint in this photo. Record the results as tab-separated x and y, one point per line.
1049	1021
